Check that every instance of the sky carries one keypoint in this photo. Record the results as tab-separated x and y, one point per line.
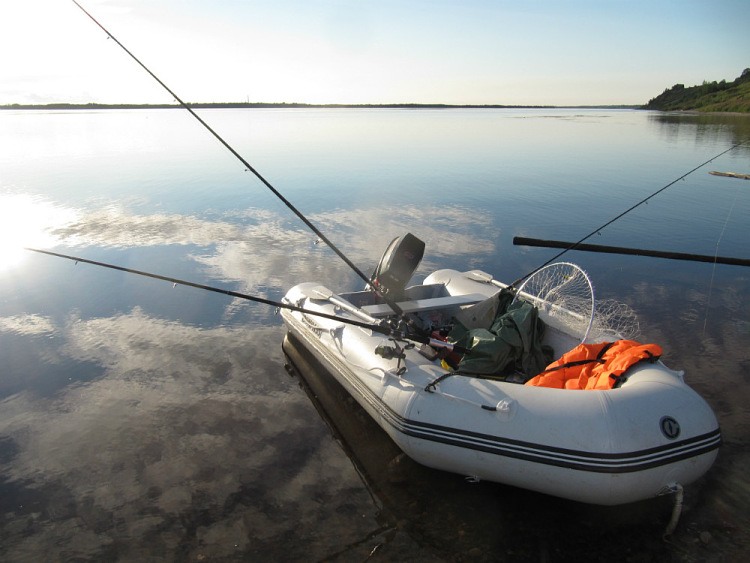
521	52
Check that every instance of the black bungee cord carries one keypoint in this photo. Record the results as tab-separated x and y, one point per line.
250	168
631	208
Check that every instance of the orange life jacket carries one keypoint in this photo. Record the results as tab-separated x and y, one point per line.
595	366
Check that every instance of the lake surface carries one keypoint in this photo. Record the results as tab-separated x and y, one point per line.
144	421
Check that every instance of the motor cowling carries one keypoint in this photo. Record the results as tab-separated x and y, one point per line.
398	264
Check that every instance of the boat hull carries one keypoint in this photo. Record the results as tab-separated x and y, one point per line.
601	447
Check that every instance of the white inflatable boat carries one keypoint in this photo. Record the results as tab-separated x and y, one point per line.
649	435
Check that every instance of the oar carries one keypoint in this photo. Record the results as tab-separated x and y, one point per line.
321	292
484	277
524	241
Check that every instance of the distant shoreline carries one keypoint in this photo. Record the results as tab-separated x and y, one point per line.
283	105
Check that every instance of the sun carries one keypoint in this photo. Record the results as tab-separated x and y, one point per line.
27	221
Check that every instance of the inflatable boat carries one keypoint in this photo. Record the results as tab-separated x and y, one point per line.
393	349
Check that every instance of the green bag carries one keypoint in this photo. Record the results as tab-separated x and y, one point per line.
512	344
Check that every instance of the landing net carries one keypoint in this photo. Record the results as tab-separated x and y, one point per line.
563	293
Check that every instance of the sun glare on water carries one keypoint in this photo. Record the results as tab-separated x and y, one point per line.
26	221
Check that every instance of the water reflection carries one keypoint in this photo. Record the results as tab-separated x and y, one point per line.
141	421
27	325
168	438
27	221
260	250
457	520
192	443
706	128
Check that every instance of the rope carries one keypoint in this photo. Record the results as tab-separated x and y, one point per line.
676	510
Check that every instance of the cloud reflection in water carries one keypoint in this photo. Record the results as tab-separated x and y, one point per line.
192	437
260	250
195	436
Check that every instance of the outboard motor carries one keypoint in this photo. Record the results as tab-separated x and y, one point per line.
397	265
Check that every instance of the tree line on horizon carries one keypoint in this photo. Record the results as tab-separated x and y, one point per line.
710	96
713	96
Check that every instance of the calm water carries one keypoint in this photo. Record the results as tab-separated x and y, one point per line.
142	421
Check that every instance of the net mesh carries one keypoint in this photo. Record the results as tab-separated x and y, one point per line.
613	320
562	291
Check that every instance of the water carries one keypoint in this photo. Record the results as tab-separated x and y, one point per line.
144	421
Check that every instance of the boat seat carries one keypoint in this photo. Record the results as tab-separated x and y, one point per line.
422	305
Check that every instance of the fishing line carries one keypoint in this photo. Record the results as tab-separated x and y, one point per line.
248	166
716	253
608	223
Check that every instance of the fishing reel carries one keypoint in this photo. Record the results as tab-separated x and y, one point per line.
395	352
390	352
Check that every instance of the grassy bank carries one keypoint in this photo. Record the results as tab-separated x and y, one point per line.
710	96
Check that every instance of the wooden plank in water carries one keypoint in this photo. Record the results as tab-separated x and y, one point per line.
731	175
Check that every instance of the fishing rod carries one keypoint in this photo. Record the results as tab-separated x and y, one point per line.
384	327
250	168
575	245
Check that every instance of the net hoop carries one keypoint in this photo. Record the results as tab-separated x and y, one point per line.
565	294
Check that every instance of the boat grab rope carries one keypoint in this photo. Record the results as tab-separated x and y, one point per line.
248	166
631	208
432	385
678	492
432	388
